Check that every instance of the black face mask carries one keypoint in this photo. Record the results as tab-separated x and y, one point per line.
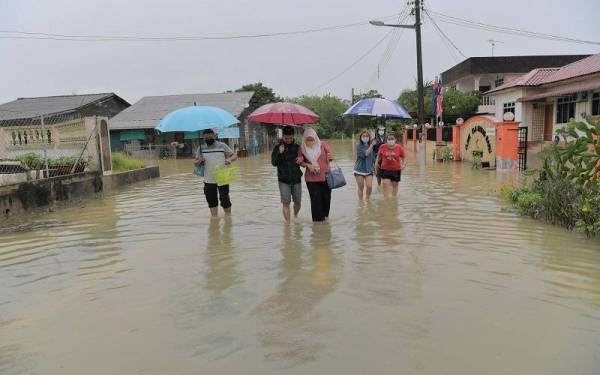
209	141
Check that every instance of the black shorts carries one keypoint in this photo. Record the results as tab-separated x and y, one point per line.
390	175
214	193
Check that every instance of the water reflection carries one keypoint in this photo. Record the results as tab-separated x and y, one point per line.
293	328
221	262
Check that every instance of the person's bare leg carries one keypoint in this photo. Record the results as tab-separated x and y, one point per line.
369	183
360	182
386	186
394	188
227	211
285	208
297	207
214	211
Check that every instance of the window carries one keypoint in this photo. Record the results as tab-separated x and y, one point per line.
596	104
509	107
499	82
565	108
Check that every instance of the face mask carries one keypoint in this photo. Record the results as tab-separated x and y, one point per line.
310	144
210	141
364	139
391	142
381	132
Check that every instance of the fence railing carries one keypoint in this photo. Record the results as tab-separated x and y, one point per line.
486	100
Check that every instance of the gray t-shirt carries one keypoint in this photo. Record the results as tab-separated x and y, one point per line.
214	157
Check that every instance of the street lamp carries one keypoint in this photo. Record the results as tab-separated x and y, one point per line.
417	28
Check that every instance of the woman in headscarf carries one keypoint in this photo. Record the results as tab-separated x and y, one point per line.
315	155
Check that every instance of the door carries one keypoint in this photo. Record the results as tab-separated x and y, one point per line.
549	123
105	144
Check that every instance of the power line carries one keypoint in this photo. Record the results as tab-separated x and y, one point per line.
120	38
439	29
351	65
390	49
507	30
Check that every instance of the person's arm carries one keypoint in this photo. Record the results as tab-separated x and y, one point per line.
199	159
231	156
360	152
328	151
275	156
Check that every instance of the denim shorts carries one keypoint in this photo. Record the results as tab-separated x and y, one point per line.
289	192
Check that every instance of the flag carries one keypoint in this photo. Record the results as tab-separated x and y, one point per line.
434	97
439	102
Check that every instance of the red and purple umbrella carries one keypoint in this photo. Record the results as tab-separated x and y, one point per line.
283	113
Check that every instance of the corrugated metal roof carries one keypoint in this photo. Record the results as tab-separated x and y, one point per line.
46	105
533	78
589	65
146	113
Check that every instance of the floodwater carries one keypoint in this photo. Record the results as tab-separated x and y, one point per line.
441	280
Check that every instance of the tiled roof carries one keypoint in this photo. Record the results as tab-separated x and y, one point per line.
30	107
148	111
533	78
567	88
589	65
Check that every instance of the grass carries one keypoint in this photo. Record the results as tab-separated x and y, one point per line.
123	163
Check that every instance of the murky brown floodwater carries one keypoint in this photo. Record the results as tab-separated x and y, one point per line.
441	281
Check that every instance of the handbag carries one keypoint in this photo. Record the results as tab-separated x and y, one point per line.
199	169
335	177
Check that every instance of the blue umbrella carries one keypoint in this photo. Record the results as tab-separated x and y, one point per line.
378	107
195	118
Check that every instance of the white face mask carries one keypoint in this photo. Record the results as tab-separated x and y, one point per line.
391	142
381	132
364	139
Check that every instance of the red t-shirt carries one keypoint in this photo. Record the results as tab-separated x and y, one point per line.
390	157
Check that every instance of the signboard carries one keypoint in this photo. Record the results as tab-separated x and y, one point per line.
478	137
229	132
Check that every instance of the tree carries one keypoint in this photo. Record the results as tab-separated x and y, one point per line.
262	95
368	94
456	103
330	108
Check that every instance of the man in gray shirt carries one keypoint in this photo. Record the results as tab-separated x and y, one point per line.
213	155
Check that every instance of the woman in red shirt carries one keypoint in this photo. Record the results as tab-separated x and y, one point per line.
315	156
392	157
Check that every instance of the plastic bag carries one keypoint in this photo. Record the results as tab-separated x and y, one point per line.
226	175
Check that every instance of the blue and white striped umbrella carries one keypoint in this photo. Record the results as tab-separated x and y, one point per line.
378	107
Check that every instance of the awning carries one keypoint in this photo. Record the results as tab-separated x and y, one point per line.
563	90
192	135
132	135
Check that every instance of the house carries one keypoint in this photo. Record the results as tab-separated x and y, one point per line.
24	111
135	125
54	125
544	99
486	73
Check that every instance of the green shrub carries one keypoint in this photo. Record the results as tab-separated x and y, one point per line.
31	160
122	163
528	204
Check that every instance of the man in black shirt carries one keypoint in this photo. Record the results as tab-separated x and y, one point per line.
288	173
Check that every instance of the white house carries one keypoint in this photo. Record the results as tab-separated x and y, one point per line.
544	100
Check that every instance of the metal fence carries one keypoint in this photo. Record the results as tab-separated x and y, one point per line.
150	153
37	147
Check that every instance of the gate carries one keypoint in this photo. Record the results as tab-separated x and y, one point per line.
522	150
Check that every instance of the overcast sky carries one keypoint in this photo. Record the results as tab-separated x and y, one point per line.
292	65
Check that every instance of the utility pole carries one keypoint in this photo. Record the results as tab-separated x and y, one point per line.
420	66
